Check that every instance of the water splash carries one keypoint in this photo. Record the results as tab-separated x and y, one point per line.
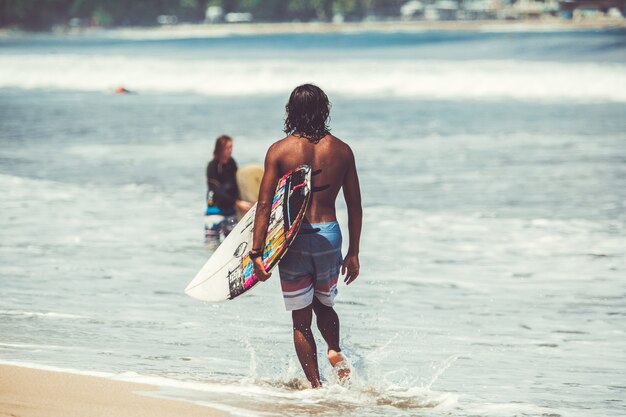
444	366
373	388
252	375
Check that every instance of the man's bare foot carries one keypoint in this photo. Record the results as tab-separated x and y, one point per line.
339	363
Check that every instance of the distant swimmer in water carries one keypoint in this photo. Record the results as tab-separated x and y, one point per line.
123	90
311	267
222	191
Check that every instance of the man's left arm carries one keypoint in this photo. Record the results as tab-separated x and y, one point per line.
352	194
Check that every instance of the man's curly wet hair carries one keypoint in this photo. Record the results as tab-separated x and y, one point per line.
308	109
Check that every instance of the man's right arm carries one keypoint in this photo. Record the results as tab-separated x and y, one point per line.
352	194
264	209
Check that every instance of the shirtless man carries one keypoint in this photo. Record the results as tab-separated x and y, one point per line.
310	270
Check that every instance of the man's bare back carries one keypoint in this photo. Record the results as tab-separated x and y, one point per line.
330	158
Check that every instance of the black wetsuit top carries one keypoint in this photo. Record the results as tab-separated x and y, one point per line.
222	180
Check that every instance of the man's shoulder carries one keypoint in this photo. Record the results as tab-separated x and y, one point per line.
339	144
285	144
338	141
282	141
280	144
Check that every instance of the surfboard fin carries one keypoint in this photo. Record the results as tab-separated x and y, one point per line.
309	231
320	188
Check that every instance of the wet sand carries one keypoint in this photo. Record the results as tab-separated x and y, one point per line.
26	392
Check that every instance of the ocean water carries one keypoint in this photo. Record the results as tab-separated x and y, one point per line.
493	173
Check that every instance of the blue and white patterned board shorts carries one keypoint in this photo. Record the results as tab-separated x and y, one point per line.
311	266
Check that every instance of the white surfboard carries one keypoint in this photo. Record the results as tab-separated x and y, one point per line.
229	271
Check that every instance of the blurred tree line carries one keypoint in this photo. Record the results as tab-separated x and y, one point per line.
43	14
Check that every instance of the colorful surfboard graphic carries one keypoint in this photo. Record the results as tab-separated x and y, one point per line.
291	199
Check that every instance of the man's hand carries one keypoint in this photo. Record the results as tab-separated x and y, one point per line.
350	268
259	270
242	205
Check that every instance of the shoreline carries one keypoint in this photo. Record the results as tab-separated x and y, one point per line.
35	392
224	29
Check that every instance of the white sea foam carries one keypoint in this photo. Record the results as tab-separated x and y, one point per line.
48	314
26	346
446	80
497	410
247	396
31	365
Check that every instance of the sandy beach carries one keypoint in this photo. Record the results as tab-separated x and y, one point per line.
193	30
26	392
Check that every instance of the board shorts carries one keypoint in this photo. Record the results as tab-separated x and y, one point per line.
311	266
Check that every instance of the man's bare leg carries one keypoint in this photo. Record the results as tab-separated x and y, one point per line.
305	344
328	325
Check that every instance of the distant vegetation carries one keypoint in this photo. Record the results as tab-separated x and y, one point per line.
44	14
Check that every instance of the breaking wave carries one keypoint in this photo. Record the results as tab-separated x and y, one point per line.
421	79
